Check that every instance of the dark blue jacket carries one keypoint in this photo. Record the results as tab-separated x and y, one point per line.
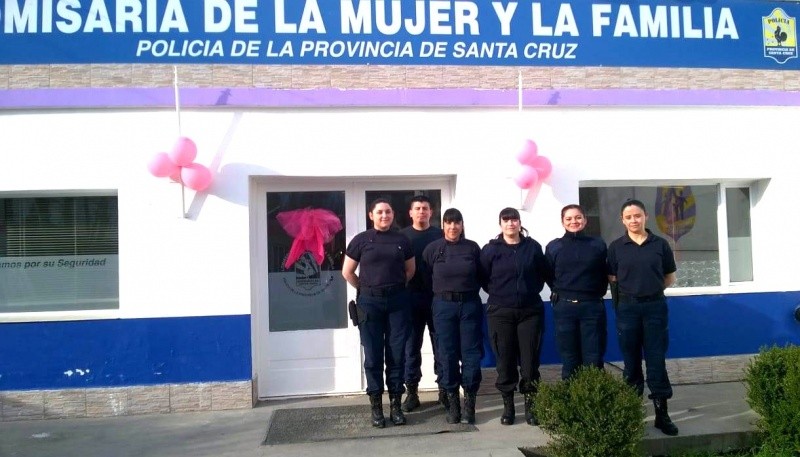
578	266
515	273
453	266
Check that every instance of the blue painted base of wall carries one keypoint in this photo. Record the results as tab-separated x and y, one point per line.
127	352
124	352
704	326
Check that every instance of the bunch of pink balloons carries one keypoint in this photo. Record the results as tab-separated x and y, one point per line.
179	165
535	168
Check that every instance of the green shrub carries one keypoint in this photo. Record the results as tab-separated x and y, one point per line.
594	414
773	391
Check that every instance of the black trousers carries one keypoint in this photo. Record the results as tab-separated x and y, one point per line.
516	338
643	329
421	315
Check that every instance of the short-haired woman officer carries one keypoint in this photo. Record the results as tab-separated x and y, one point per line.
642	265
580	280
386	262
516	271
452	265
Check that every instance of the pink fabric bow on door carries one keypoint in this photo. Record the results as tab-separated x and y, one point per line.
311	228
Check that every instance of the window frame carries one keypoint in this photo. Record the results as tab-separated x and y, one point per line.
65	315
722	226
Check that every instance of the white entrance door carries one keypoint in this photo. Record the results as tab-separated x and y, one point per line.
304	343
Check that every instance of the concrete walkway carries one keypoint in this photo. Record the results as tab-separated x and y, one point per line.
710	417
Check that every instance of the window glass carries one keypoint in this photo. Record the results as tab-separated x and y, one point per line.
739	240
401	201
59	253
686	216
306	292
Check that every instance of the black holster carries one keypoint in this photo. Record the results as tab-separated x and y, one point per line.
357	314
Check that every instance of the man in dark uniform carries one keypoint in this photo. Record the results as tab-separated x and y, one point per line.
642	265
421	233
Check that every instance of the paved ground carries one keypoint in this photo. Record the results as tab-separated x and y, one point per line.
710	416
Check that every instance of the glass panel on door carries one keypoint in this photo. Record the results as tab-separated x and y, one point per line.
401	200
304	260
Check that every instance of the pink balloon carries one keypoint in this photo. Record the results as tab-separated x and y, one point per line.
527	177
183	152
161	166
543	166
196	176
527	153
176	176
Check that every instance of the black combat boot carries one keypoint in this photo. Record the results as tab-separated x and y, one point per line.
454	411
530	416
376	402
395	411
469	407
443	399
508	409
663	422
412	398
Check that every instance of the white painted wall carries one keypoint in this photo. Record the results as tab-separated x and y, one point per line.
175	266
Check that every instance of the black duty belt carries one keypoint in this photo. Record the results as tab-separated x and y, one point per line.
456	296
387	291
623	298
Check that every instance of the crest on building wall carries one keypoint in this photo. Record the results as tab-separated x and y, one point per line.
780	36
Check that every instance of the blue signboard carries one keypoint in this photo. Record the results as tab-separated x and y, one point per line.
747	34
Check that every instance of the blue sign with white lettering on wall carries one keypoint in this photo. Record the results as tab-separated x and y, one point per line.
747	34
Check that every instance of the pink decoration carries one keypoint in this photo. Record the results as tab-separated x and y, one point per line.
528	152
527	177
542	165
176	176
184	152
196	176
161	166
311	228
179	165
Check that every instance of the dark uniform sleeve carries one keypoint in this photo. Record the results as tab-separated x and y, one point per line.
611	264
486	266
408	249
426	266
550	262
668	259
604	251
354	248
541	265
481	274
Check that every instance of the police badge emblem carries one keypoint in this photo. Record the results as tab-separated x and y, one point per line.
780	36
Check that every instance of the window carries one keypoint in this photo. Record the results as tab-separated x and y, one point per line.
691	219
59	253
307	294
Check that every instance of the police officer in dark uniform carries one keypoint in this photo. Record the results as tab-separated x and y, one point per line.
642	265
516	271
453	269
386	263
421	233
580	280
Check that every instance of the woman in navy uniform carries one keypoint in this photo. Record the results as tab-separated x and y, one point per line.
452	266
642	265
386	262
516	271
580	279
